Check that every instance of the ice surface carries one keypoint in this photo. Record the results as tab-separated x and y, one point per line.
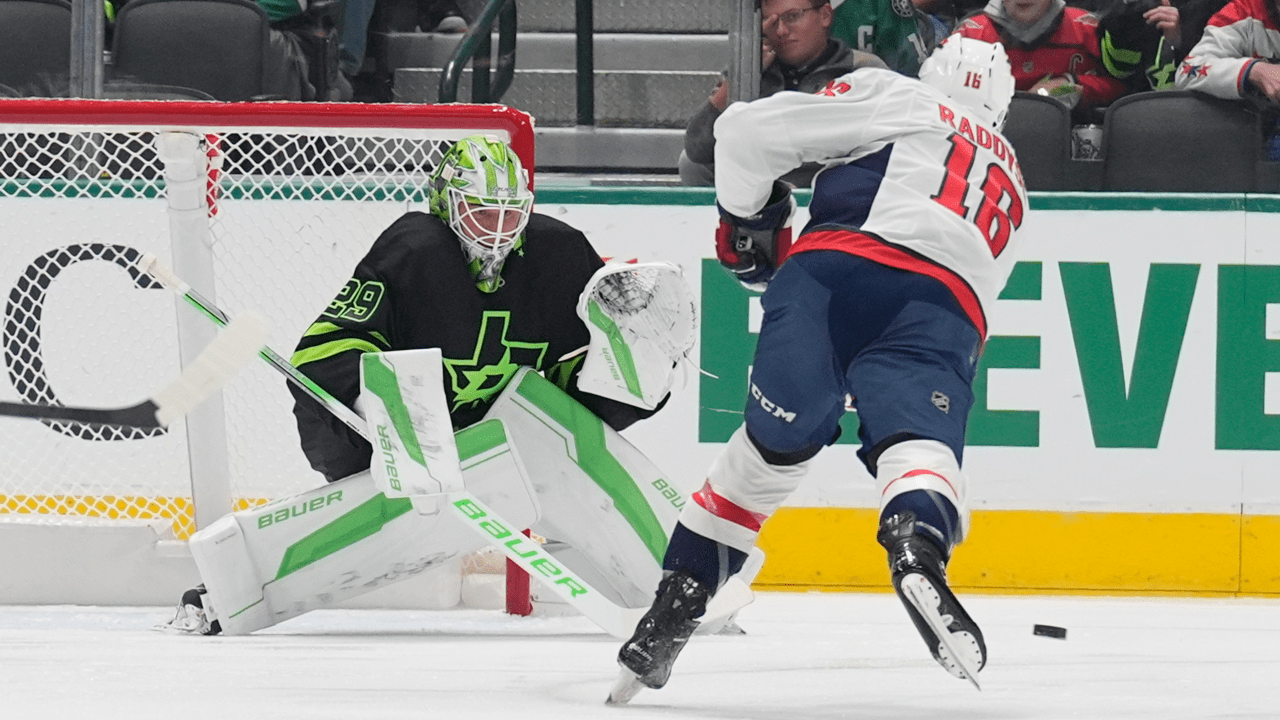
805	656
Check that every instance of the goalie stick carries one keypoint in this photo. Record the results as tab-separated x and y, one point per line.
614	619
229	351
151	265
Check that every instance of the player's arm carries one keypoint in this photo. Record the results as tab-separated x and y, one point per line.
758	142
358	320
1222	62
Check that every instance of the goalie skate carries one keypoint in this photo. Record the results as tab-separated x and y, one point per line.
647	658
193	617
920	579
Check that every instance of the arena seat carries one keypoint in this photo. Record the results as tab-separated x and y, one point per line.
122	90
214	46
1180	141
1039	128
35	46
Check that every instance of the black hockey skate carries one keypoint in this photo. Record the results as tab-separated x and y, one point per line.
646	658
193	616
920	579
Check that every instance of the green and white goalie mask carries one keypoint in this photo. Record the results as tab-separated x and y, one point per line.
481	189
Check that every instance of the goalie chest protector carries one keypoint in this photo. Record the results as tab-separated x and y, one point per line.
414	290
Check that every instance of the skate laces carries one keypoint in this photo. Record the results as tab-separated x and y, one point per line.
683	597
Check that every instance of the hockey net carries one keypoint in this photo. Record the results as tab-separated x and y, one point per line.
272	214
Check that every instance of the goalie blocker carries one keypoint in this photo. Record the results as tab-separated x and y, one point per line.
572	479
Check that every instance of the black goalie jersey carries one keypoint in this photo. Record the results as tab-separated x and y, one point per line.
413	290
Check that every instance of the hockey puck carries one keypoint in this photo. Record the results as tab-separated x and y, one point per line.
1052	631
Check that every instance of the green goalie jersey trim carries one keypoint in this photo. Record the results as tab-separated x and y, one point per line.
329	349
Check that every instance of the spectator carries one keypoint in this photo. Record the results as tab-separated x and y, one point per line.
373	83
798	53
1054	50
1138	41
1237	55
1144	40
304	38
900	32
1195	16
353	38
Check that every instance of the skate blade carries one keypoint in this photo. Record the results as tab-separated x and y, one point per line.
951	648
624	688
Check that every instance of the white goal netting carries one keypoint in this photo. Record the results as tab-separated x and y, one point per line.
271	214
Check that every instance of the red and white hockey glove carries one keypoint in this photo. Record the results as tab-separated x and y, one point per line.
751	248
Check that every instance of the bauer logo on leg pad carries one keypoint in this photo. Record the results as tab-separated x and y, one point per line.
388	458
670	493
300	508
402	392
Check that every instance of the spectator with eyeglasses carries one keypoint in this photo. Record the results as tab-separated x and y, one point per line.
797	53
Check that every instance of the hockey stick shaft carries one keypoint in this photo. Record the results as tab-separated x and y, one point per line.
149	264
229	351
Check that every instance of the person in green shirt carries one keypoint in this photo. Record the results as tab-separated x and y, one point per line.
900	32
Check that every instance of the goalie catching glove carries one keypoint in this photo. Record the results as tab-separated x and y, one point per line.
751	248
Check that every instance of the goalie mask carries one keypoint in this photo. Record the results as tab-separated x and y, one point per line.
481	190
975	74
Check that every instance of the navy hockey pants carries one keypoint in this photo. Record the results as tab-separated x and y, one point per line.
837	324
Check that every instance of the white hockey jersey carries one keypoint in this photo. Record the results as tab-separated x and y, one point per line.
1239	35
912	181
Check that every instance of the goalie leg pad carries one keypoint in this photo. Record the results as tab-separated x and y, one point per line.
310	551
596	492
272	563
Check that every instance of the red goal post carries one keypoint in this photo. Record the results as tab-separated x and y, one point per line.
260	206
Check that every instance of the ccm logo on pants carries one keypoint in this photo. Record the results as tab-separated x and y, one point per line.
769	406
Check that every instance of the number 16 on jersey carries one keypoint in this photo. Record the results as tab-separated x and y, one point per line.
999	209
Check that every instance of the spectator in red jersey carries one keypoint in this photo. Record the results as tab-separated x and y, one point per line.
1237	55
1053	49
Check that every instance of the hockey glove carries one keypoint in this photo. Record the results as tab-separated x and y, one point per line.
751	248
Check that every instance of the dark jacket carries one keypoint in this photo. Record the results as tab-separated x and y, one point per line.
837	60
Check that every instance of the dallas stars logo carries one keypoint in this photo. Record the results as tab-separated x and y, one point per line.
494	361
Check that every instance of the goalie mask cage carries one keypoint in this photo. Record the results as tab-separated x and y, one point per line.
260	206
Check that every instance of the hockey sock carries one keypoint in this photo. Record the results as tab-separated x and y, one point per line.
936	518
709	562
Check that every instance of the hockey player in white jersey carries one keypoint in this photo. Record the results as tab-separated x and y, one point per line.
881	297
